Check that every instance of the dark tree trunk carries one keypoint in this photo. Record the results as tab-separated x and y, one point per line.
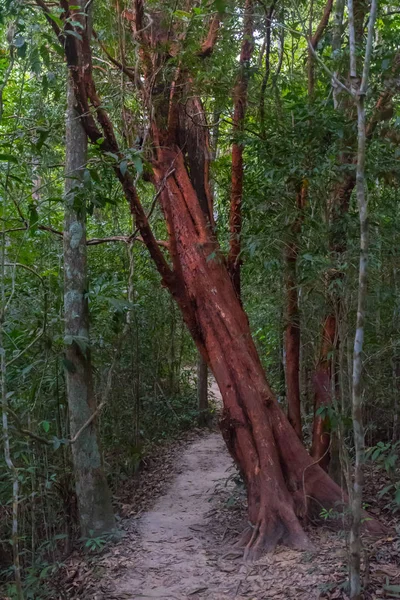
240	102
202	390
292	330
323	393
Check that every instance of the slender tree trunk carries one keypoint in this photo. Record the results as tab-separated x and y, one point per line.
94	499
337	206
395	358
12	468
361	187
292	330
240	102
323	393
202	390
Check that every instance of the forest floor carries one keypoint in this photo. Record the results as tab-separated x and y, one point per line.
181	543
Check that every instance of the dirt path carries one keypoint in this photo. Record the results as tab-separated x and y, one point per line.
182	548
172	562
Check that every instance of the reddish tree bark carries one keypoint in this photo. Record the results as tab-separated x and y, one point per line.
240	101
271	458
282	480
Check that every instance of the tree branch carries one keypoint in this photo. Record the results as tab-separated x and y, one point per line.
207	47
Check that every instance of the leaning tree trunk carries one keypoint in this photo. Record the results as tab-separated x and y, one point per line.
94	500
279	473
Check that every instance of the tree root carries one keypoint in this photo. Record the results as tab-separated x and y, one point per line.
267	533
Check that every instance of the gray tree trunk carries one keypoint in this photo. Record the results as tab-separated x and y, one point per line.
94	499
359	93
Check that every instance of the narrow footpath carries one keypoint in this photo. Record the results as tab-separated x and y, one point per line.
183	547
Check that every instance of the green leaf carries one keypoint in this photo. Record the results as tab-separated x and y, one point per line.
43	135
375	454
44	53
44	572
19	41
56	443
35	61
94	175
58	49
123	167
33	218
137	161
394	590
76	24
56	19
220	5
111	155
211	256
45	426
182	14
74	34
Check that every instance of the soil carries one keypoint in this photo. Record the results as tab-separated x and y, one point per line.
183	545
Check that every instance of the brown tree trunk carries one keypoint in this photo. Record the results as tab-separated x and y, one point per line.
292	344
240	101
202	391
292	330
323	393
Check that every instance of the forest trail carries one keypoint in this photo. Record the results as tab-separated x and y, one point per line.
182	548
173	558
